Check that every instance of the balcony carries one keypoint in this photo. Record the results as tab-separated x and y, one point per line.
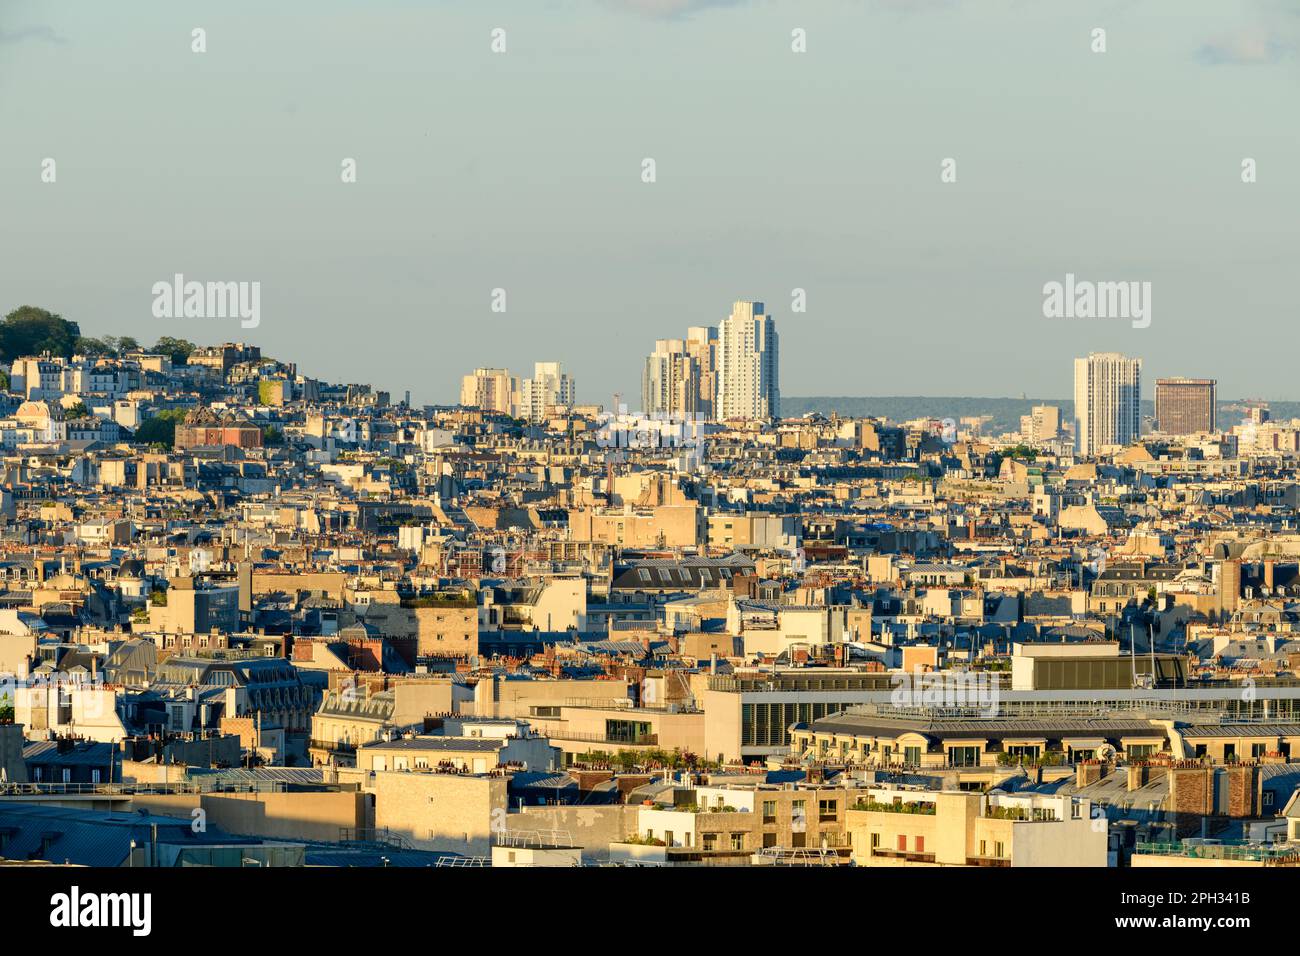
871	806
908	856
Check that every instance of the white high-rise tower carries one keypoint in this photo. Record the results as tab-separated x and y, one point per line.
1107	401
748	364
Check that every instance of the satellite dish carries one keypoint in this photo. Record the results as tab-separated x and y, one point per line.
1105	752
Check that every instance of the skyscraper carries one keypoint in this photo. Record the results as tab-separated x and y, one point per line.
549	386
748	364
702	345
670	384
1107	401
492	389
1185	406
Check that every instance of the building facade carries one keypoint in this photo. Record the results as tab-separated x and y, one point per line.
1107	401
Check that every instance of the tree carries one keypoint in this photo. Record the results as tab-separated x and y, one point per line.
29	330
1020	452
161	429
79	410
92	346
178	350
272	436
110	345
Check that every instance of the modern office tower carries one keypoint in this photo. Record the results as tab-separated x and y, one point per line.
1185	406
748	366
549	386
702	345
491	389
1107	401
1042	424
670	384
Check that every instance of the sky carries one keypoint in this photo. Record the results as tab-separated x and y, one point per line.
775	171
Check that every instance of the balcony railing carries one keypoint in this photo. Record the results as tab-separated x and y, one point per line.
95	789
332	746
1242	852
645	740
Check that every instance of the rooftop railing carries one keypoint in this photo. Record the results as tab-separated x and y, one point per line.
1287	854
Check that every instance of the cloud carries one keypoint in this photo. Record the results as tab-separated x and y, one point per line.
669	9
39	33
1272	35
1245	48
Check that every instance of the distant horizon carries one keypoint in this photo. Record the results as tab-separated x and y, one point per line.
896	190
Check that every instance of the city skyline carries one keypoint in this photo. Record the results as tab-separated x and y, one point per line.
442	436
913	284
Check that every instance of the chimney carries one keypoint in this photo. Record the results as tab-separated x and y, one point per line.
1268	575
1088	772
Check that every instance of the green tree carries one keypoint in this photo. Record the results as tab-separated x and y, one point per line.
177	349
1020	452
161	429
92	346
79	410
29	330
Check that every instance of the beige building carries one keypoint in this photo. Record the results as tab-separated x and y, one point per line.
491	389
666	526
451	812
896	827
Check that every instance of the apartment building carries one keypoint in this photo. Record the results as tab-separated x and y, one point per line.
900	827
1107	401
748	364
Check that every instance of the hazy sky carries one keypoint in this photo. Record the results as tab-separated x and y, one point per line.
775	171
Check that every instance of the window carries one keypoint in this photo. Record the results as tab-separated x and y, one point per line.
964	756
920	844
997	850
902	842
875	840
827	811
984	847
769	811
769	839
738	841
710	841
